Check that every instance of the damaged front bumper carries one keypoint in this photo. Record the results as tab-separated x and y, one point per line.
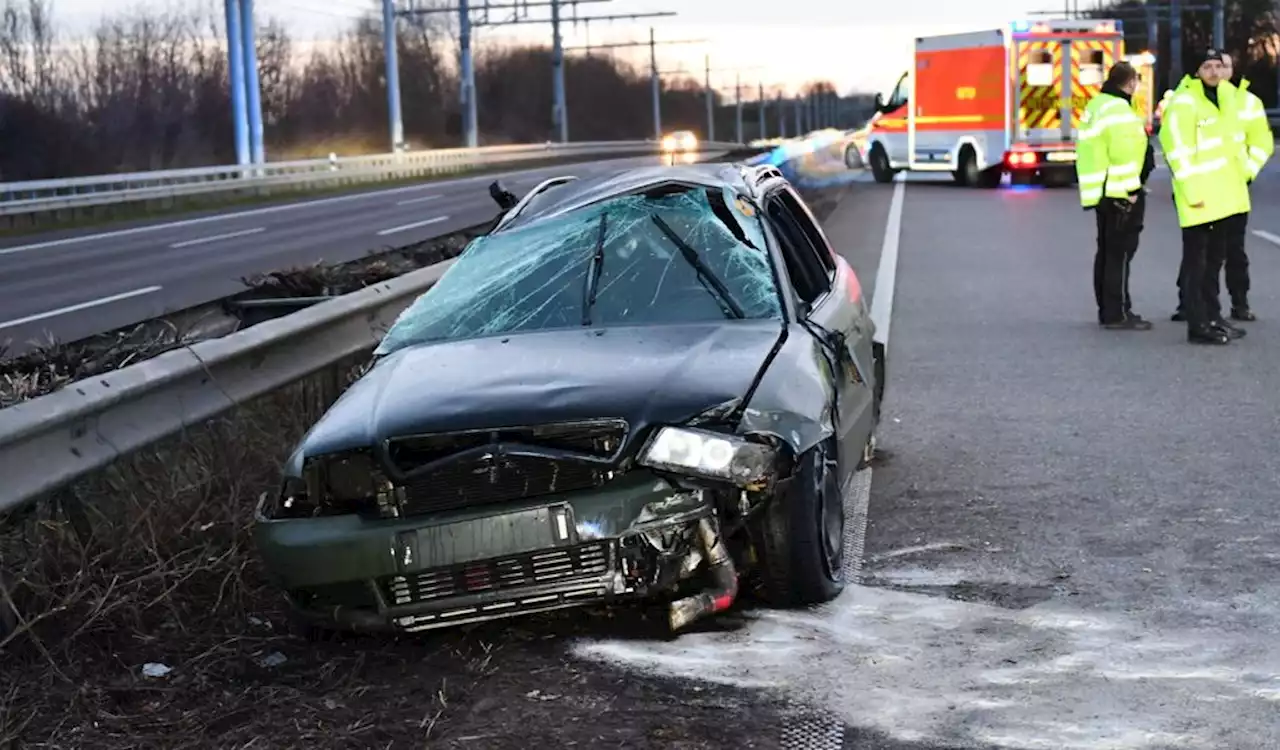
638	536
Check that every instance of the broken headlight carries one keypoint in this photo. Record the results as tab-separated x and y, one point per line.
710	454
338	485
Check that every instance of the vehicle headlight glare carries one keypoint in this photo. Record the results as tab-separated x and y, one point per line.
709	454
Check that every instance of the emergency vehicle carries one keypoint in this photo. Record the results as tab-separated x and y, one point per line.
980	104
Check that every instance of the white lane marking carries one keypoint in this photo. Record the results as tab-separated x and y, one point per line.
887	271
217	237
270	210
81	306
1269	237
415	225
417	200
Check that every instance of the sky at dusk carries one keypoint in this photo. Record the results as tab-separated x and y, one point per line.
858	44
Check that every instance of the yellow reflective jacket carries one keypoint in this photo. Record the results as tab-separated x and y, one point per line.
1200	145
1256	140
1110	151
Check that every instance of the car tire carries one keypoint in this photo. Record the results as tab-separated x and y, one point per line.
852	159
880	168
802	534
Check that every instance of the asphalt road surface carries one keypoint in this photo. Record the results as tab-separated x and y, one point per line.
77	283
1072	538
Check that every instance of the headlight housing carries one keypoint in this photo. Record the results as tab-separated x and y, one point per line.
710	454
337	485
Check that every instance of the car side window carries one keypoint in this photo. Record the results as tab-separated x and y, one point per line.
808	272
812	230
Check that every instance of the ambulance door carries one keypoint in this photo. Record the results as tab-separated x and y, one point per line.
1042	98
1086	68
893	119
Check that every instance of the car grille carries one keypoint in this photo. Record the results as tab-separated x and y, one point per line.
494	478
566	568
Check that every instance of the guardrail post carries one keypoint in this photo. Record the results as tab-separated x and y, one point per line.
66	500
9	617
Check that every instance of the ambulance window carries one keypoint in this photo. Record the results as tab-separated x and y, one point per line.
1091	71
1040	68
899	95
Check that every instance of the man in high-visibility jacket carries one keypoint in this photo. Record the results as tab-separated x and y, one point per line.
1114	158
1209	186
1257	144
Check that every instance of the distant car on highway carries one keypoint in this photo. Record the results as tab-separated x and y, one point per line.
638	385
681	141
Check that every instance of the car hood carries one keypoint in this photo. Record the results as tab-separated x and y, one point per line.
645	375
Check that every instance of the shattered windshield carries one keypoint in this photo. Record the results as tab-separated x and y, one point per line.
677	254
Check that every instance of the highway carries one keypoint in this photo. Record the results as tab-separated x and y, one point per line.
73	284
1071	538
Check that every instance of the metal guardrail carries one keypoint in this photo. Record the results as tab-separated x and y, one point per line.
36	196
52	440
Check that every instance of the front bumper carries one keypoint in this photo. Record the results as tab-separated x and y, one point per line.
631	538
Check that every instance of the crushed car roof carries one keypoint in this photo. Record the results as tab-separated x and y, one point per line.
576	193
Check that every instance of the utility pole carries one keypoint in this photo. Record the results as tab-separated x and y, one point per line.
737	97
1175	43
559	112
711	119
470	128
235	64
253	84
1219	24
655	77
391	53
655	83
760	113
520	10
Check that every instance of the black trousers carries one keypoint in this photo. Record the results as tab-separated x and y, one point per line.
1204	250
1236	262
1119	228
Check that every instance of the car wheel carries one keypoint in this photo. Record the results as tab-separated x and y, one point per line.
802	534
852	159
880	169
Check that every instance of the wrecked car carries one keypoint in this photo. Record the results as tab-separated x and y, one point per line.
649	385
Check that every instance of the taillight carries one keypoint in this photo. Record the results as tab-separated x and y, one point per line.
1021	158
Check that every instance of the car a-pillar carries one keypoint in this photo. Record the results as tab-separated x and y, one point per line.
800	535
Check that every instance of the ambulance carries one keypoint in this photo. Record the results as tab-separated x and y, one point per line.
988	103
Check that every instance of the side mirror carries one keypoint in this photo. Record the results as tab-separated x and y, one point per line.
880	102
505	199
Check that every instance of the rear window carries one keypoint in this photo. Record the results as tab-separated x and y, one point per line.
542	276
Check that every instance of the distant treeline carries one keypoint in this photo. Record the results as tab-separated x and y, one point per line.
148	90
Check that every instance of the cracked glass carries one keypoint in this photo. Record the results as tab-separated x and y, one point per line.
542	276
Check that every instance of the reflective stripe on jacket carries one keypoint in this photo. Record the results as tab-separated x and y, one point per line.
1257	141
1110	151
1200	145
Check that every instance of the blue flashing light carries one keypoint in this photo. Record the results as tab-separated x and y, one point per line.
1021	27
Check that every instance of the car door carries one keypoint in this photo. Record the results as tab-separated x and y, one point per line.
831	300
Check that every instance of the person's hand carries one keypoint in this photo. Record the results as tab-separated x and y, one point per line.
1133	199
